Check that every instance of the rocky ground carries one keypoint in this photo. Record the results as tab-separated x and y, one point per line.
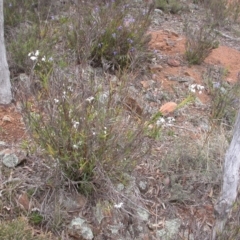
175	187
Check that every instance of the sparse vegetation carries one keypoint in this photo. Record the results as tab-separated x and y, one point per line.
93	120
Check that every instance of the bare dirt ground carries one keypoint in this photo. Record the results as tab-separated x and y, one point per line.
169	43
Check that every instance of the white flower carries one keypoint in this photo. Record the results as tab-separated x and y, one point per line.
90	99
33	58
31	53
75	124
200	87
75	146
37	53
70	89
171	119
105	131
56	100
160	121
44	59
118	205
194	87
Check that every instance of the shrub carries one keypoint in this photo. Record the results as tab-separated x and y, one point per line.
200	41
112	35
83	122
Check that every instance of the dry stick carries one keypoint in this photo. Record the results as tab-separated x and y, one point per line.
227	36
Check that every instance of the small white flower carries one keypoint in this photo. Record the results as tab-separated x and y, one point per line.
56	100
171	120
70	89
75	124
119	205
37	53
31	53
75	146
33	58
90	99
200	87
160	121
93	133
194	87
44	59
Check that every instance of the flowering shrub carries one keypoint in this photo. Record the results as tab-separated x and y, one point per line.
112	35
86	128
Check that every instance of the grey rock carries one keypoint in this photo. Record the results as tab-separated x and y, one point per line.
10	160
143	214
3	144
99	212
115	228
142	185
170	230
80	229
120	187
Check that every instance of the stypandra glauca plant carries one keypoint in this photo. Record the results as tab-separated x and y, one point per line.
199	41
82	123
112	35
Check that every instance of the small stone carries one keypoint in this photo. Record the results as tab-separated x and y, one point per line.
142	185
23	200
5	152
187	74
145	84
10	160
166	181
143	214
120	187
168	108
156	68
171	229
7	118
173	62
2	144
79	229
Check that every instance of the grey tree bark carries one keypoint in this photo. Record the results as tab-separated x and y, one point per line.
5	84
230	182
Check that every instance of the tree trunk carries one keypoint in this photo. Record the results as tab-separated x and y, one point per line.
230	182
5	85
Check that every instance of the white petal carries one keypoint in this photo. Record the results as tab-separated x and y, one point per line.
33	58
